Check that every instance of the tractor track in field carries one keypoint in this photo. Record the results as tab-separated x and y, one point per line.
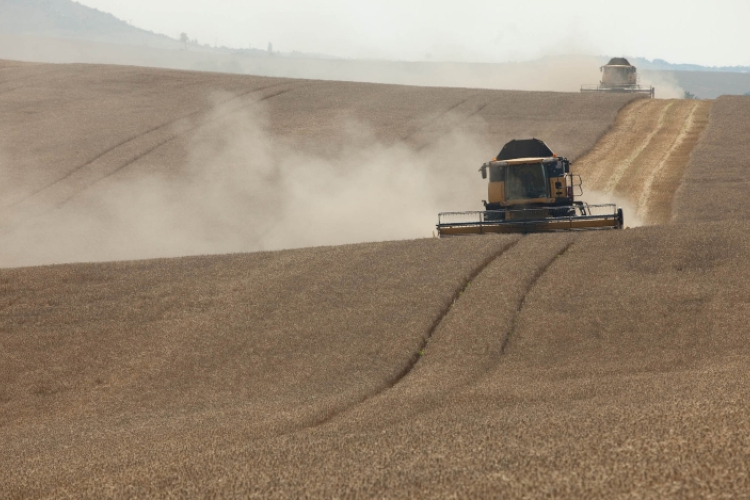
135	137
417	355
174	137
529	288
443	123
433	121
453	126
642	158
687	127
185	124
493	359
622	167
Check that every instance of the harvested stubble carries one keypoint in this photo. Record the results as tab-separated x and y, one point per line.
642	159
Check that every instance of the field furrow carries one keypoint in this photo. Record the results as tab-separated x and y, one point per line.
642	158
126	153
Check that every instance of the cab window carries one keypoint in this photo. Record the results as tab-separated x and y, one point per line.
526	181
497	173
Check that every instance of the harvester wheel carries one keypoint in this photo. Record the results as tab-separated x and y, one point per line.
620	219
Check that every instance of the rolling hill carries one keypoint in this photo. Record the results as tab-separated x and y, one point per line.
71	20
64	31
596	365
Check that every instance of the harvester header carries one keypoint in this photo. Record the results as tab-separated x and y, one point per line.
530	190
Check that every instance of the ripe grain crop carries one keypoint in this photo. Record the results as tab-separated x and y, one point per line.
593	365
271	342
714	185
83	114
114	163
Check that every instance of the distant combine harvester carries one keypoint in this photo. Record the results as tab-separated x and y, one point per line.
618	75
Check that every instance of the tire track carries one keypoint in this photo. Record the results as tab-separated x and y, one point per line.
164	126
431	123
642	158
455	125
446	310
441	366
686	127
608	144
443	376
444	123
416	356
618	173
78	180
532	284
666	183
170	139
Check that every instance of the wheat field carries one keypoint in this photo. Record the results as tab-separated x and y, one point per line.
595	365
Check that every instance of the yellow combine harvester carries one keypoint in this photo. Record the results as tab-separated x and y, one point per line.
530	190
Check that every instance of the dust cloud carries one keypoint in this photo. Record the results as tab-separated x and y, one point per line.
562	73
244	189
629	209
665	84
559	72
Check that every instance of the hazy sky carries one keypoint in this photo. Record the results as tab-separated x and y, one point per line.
686	31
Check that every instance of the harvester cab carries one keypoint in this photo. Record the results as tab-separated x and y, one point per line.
618	75
530	190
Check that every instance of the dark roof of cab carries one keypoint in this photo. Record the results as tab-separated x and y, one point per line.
524	148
